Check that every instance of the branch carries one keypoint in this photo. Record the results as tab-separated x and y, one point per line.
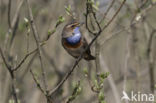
14	23
114	15
9	11
4	60
105	14
23	60
151	61
36	36
11	74
37	83
35	50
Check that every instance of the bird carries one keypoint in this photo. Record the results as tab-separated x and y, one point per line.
74	42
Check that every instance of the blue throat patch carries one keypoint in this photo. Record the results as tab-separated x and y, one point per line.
75	38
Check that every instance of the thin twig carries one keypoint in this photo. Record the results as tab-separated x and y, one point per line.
11	74
37	83
126	59
4	60
14	23
12	26
114	15
9	12
105	14
23	60
151	61
14	92
97	61
118	32
36	36
33	51
26	70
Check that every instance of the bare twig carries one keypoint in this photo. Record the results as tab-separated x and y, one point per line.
86	17
12	30
9	12
151	61
105	14
97	61
114	15
33	51
28	66
11	74
14	23
127	56
23	60
5	61
36	36
37	83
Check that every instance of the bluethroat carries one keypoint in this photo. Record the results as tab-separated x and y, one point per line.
74	42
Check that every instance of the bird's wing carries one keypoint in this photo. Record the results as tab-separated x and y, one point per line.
85	44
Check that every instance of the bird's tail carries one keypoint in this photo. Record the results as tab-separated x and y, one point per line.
89	57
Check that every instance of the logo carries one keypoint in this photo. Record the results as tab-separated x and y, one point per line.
140	97
125	96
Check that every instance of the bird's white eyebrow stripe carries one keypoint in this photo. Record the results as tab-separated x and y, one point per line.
72	24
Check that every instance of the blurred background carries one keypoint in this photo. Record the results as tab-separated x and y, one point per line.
126	50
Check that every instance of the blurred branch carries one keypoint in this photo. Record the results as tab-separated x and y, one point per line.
36	36
35	50
97	61
12	30
151	60
41	44
114	15
40	88
37	83
28	33
105	14
14	23
5	62
126	59
11	74
28	66
39	49
133	22
9	12
11	24
142	11
69	12
23	60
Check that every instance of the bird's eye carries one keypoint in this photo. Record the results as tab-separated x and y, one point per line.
73	26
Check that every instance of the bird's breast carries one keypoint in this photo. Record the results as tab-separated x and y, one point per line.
73	40
72	46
